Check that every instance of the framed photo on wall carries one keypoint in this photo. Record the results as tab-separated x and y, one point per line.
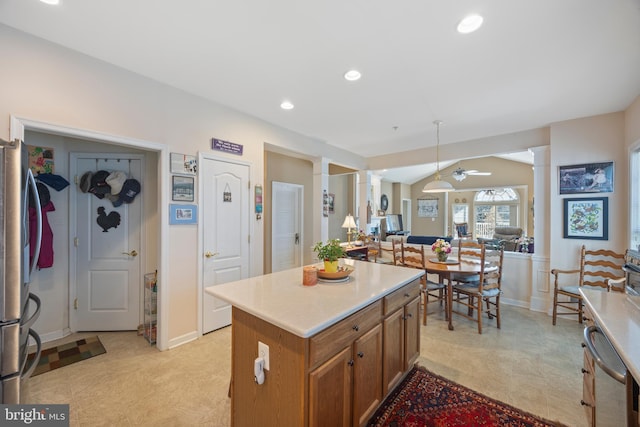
586	218
183	214
182	189
428	208
586	178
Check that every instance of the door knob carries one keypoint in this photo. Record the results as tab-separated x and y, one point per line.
132	253
209	254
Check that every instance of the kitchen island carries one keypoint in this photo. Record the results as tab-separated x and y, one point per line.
335	349
618	316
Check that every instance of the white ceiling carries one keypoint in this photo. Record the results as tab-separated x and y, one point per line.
532	63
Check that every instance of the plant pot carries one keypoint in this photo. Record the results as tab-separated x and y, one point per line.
330	266
442	256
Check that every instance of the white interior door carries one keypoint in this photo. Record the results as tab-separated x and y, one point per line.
286	227
108	281
225	220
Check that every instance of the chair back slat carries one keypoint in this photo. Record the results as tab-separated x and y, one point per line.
397	252
491	274
598	267
413	256
469	250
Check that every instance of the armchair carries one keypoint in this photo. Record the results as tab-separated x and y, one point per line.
599	270
462	230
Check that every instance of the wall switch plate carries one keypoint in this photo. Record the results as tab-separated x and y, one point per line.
263	351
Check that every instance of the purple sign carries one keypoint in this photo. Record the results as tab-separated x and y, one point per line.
229	147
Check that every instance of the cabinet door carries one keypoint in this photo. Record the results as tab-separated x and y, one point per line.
367	375
393	350
412	333
330	391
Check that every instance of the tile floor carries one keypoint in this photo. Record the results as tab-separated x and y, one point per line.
528	363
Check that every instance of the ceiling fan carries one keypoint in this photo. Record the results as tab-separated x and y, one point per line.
460	174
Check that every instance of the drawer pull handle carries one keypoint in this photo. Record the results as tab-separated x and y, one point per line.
583	345
583	403
360	354
408	316
356	328
584	371
350	362
407	295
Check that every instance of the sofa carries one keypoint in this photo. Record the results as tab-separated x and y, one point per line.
507	237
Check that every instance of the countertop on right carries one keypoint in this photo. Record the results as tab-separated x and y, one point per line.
618	315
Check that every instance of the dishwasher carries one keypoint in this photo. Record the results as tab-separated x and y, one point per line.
610	380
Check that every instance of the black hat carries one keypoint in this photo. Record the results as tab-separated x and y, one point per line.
130	189
43	193
85	181
99	186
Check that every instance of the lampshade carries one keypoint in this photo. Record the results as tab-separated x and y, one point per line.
438	185
349	222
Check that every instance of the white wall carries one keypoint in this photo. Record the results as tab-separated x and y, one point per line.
47	83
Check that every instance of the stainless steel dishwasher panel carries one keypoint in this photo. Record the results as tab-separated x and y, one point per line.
610	380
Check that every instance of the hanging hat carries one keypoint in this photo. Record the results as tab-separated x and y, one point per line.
130	189
85	181
99	186
54	181
43	195
116	180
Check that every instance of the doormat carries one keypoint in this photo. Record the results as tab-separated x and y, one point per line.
426	399
66	354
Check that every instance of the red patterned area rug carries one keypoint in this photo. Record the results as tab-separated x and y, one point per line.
426	399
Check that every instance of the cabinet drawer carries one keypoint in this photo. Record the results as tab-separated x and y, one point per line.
400	297
326	343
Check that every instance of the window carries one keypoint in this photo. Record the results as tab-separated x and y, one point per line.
495	208
634	203
459	215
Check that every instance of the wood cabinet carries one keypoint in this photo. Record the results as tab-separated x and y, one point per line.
588	375
401	327
333	378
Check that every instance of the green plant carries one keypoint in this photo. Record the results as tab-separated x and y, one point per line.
330	251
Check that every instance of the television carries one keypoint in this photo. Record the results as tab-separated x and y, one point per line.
394	223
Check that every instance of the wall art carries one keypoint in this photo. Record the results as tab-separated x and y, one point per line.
586	178
586	218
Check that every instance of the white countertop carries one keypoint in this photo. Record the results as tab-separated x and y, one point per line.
618	315
281	300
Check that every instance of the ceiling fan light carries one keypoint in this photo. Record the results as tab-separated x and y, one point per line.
437	186
459	176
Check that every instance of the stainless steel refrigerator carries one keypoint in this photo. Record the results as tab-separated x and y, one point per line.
19	251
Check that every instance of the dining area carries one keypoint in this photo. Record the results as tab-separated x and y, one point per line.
463	278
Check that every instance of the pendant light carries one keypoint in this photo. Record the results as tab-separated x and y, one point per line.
438	185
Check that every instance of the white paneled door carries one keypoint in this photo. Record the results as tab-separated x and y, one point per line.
225	223
286	228
107	244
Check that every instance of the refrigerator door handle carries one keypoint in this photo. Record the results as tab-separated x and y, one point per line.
36	197
31	320
26	373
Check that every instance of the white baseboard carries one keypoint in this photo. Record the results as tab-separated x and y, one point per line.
55	335
183	339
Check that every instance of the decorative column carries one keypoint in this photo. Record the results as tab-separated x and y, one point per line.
541	294
364	186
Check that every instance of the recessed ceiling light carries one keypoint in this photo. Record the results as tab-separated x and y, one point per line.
352	75
286	105
54	2
469	24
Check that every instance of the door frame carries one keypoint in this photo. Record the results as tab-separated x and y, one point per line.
299	212
17	129
73	231
207	156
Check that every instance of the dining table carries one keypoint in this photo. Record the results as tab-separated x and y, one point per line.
445	270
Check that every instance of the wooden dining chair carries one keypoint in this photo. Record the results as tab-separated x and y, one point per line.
599	269
486	290
396	246
413	256
462	230
468	251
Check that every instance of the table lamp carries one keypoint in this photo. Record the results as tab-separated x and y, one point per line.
349	223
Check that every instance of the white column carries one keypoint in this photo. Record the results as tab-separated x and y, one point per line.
364	196
320	187
541	293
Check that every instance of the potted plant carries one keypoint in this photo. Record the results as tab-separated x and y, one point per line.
329	253
442	248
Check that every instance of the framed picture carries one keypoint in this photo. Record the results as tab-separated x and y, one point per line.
586	218
428	208
183	214
586	178
331	201
182	189
183	164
